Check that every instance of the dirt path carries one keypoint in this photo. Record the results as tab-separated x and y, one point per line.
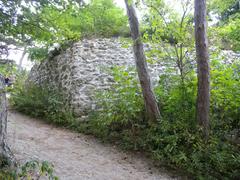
75	156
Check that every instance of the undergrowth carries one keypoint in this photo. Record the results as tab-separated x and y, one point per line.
30	170
176	140
41	102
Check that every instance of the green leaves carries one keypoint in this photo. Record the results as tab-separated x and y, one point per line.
36	169
43	102
40	24
228	25
223	7
230	33
122	103
226	95
38	53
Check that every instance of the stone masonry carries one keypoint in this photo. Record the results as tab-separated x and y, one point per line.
81	70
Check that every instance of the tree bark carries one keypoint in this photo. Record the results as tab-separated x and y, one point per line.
6	156
201	42
153	113
21	59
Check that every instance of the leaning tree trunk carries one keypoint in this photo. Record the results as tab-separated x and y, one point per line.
150	101
21	59
6	156
203	96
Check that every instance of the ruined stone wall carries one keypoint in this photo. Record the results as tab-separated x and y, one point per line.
81	70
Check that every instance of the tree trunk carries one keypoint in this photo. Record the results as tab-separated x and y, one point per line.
21	59
201	42
6	156
153	113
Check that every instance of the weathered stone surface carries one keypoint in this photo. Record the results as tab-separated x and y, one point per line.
81	70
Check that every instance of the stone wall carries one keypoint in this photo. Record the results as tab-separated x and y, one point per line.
81	70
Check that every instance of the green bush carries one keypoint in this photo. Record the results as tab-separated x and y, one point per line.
180	146
122	105
176	141
29	170
177	100
41	102
225	95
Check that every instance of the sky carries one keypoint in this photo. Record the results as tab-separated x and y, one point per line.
120	3
16	54
175	4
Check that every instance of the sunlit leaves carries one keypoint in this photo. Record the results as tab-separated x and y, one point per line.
231	31
43	23
122	103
